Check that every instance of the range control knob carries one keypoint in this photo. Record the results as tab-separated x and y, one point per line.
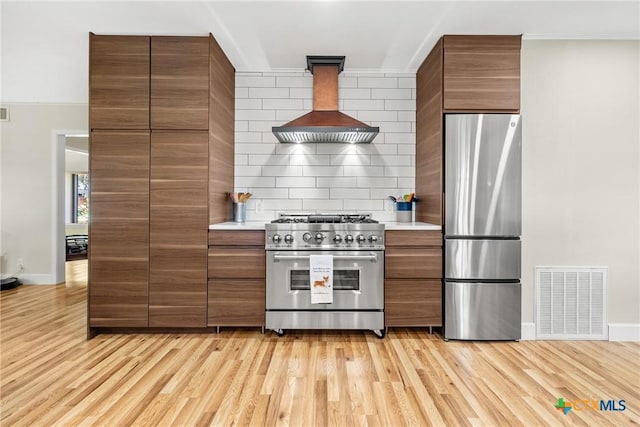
288	239
373	238
277	238
306	237
360	238
348	238
319	237
337	238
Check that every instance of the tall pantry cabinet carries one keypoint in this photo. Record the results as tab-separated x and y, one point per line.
151	135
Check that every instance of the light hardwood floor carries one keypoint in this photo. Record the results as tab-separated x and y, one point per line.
51	375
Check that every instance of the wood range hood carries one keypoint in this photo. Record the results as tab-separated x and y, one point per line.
325	124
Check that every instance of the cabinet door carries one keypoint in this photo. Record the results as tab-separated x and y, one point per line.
119	230
236	302
482	73
412	302
118	82
180	83
238	262
178	229
406	263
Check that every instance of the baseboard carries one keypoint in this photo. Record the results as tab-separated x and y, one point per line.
37	279
624	332
528	331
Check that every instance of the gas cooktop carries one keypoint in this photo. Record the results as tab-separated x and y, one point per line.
325	219
324	232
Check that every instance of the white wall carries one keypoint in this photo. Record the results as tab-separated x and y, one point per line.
27	185
581	189
324	177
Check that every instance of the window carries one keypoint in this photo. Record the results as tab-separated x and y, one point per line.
80	198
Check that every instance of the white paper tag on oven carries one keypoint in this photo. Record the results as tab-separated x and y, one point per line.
321	276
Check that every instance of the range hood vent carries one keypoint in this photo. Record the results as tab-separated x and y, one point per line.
325	124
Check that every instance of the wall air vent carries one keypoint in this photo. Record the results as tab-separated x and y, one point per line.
4	114
571	303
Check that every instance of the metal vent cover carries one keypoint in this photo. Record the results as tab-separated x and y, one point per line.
571	303
333	134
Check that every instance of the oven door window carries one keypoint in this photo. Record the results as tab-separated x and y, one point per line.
343	280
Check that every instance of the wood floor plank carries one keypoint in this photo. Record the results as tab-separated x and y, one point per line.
51	375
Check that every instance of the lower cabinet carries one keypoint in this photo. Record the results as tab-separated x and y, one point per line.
413	278
236	270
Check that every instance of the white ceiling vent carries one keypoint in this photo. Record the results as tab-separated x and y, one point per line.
4	114
571	303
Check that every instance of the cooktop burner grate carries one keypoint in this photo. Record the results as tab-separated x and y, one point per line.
325	219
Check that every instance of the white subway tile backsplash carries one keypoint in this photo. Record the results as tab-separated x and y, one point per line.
255	81
248	104
374	181
363	104
322	205
254	181
363	205
268	159
324	177
282	171
390	94
336	181
349	193
400	104
287	81
310	159
309	193
363	171
297	182
378	82
354	93
400	171
250	115
282	104
262	92
322	170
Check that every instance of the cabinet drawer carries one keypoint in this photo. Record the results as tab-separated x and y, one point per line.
238	263
413	238
236	302
405	263
413	303
236	238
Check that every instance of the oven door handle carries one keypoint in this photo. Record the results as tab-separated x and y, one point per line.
371	257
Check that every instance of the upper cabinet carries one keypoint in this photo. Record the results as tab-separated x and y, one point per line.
119	82
180	83
481	73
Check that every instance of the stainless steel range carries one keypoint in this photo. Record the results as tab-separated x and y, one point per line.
356	244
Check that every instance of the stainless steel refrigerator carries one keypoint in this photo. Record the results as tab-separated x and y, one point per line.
482	226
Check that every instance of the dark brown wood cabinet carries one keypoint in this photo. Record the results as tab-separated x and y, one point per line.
119	82
150	209
481	73
180	83
119	229
461	74
413	278
236	278
178	229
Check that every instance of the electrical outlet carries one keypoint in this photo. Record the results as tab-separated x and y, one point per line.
259	207
20	263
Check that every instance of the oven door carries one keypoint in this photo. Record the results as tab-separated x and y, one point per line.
358	280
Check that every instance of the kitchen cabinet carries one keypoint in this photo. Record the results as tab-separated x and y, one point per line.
473	74
119	82
119	229
236	278
150	189
178	229
413	278
180	83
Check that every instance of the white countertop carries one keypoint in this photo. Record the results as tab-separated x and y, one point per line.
259	225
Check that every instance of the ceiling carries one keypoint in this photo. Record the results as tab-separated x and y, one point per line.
45	44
